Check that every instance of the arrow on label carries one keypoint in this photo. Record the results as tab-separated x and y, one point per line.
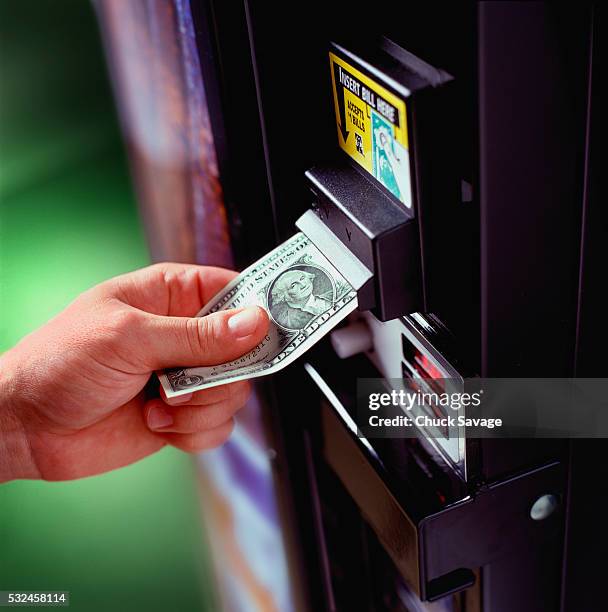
341	104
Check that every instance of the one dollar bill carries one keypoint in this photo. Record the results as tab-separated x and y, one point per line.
305	296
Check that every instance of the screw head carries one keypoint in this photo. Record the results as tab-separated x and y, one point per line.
544	507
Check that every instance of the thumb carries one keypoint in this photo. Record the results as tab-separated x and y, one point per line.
200	341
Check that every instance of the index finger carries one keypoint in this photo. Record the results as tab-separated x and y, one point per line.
173	289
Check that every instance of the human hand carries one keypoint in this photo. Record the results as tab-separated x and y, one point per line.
72	402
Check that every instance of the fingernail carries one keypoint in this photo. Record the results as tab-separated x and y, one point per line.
158	418
180	399
244	323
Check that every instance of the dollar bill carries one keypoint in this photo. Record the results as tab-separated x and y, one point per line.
305	296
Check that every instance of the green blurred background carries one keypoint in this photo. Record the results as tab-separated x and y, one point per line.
131	539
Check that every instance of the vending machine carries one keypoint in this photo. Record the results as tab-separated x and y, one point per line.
439	155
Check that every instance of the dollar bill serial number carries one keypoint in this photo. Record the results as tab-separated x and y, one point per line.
34	598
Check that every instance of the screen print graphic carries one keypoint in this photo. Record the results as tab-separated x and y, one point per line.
372	127
306	297
390	158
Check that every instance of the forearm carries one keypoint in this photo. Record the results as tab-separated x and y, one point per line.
16	459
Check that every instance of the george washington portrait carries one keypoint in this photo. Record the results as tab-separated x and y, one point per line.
299	295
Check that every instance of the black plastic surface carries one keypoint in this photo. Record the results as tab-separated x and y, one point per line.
382	234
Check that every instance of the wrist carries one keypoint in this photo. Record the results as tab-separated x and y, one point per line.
16	460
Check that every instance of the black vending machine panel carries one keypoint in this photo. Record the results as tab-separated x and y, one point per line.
439	155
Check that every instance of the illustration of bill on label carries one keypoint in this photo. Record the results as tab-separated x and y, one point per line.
305	296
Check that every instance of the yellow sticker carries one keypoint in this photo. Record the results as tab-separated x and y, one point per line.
372	127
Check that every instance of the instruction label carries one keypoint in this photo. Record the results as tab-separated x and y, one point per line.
372	127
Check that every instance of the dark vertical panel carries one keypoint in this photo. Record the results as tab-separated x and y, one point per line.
293	84
587	536
532	70
592	337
